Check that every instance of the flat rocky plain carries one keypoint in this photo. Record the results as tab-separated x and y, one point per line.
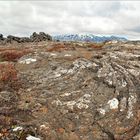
70	91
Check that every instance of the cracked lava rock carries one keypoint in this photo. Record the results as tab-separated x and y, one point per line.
70	91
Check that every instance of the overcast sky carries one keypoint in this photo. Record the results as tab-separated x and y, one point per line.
64	17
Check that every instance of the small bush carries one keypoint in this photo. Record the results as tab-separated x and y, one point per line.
8	72
8	76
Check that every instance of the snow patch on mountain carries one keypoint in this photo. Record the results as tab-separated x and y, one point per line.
87	38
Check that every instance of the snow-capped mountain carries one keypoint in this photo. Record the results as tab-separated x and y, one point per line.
87	37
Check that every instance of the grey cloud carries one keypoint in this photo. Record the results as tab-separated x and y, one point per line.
56	17
135	29
107	9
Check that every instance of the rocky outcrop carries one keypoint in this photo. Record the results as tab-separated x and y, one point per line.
40	37
33	38
11	38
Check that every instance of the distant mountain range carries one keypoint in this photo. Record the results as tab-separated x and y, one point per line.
87	37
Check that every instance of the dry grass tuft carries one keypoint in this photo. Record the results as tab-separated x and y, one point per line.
95	45
57	47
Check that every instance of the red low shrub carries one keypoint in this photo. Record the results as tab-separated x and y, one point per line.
12	55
